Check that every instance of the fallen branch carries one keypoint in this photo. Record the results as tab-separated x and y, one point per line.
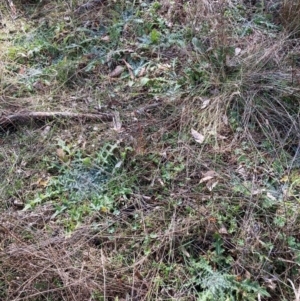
25	117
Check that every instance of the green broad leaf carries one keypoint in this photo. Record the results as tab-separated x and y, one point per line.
144	81
87	161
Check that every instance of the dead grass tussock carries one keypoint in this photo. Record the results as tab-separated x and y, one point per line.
289	16
63	268
267	77
270	89
73	267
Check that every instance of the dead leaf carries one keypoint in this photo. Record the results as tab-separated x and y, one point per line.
119	164
205	179
28	173
211	174
223	230
142	72
62	155
237	51
211	184
164	67
270	283
105	39
185	252
41	182
138	275
242	171
197	136
271	196
45	131
205	103
225	119
257	191
129	69
13	8
236	93
161	182
117	71
117	122
248	275
212	219
127	65
285	179
38	85
22	70
18	203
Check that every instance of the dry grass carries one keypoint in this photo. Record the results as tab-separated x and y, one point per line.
184	219
289	16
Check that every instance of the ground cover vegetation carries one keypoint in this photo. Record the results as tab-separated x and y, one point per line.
187	187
